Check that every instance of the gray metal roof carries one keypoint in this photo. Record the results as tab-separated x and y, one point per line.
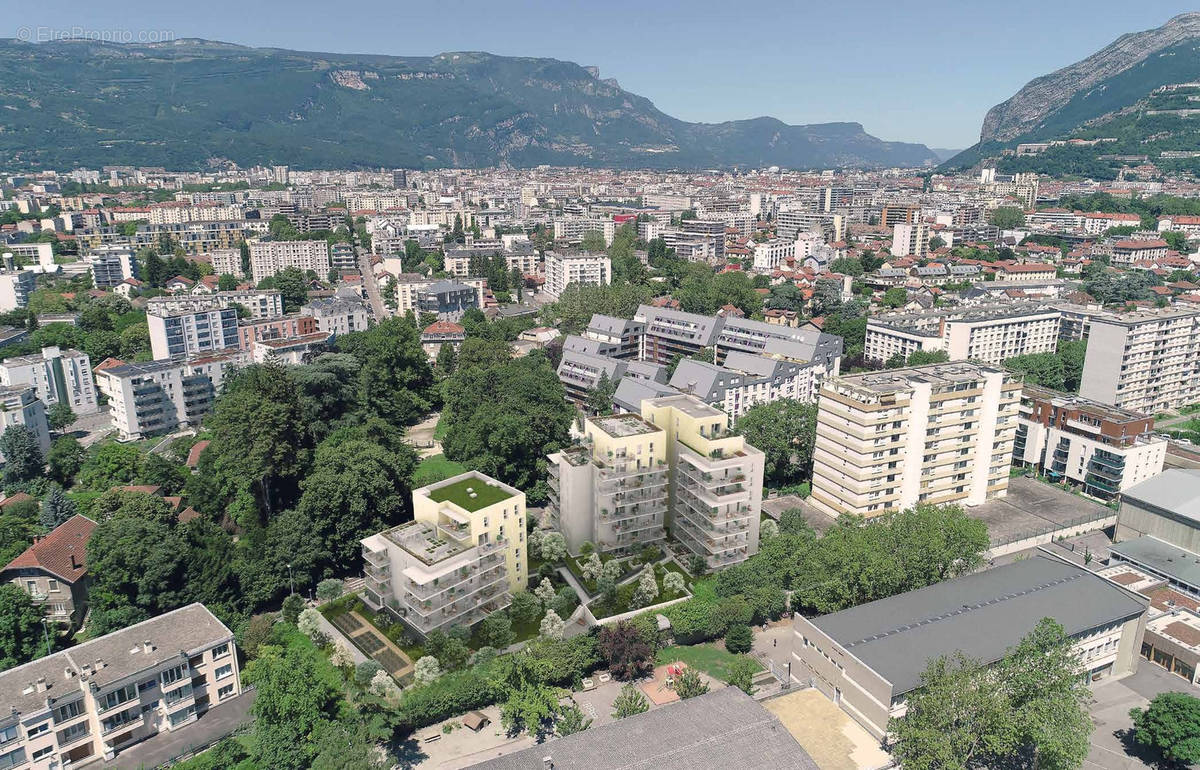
1159	556
721	730
1175	490
630	393
983	615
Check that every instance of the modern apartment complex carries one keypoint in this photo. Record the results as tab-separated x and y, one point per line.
156	396
336	315
1103	448
278	328
15	287
111	265
459	560
989	334
670	332
868	659
746	380
269	257
1147	361
90	702
176	332
414	290
57	376
585	269
715	480
888	440
259	303
611	490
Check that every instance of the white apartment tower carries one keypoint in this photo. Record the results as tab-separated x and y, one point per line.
585	269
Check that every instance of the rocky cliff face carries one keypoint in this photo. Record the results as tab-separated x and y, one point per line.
1042	96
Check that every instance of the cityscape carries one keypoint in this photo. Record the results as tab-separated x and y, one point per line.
368	411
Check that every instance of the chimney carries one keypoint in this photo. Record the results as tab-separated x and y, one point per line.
41	684
147	647
548	762
75	562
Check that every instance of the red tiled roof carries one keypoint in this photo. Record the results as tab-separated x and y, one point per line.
63	552
108	363
193	458
19	497
443	327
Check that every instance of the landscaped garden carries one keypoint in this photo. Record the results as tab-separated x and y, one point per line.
641	592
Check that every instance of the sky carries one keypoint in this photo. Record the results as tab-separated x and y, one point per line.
908	71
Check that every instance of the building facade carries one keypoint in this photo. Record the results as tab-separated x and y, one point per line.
176	333
269	257
584	269
1147	361
57	376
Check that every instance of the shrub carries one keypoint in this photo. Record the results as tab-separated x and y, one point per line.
673	584
767	530
496	630
739	639
545	592
741	674
448	695
309	624
695	620
426	670
628	655
592	568
364	672
647	589
630	702
565	602
554	547
689	684
292	606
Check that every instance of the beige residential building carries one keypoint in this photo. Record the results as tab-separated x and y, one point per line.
410	287
1147	361
585	269
459	560
269	257
715	492
612	490
989	334
938	434
89	702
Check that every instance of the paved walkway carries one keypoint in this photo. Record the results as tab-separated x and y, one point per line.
421	436
371	284
828	734
220	721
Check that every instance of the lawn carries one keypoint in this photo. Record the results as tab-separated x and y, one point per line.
709	658
434	469
457	493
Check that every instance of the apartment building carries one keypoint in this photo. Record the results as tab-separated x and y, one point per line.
611	490
1127	252
56	376
53	571
88	703
459	560
990	333
711	232
338	316
1025	272
617	337
283	327
715	492
789	224
670	332
747	379
179	331
1103	449
448	299
289	351
936	434
582	268
269	257
411	288
15	286
157	396
769	255
259	303
910	239
201	237
1147	361
19	405
111	265
868	659
803	344
574	229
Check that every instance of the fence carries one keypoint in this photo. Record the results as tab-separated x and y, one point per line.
1042	535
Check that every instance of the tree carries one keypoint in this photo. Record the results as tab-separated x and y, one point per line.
785	431
545	592
330	589
395	380
553	547
552	626
599	398
1006	217
766	530
364	672
60	416
593	240
1072	355
1045	369
647	589
110	465
627	654
525	608
793	522
629	702
571	720
426	670
592	567
347	744
894	297
741	674
673	583
293	605
689	684
298	693
226	282
65	458
56	508
936	242
309	623
496	630
450	648
22	455
447	359
293	288
20	627
1170	725
739	639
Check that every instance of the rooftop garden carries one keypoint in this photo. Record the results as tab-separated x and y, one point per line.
470	494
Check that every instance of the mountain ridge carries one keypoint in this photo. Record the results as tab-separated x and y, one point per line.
192	101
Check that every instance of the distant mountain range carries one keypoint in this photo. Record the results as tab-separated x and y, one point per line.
189	103
1121	92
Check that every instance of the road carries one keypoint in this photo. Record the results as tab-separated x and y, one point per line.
378	309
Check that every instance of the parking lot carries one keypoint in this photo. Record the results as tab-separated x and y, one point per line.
1111	749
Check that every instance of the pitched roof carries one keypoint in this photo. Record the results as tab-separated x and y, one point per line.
193	458
63	552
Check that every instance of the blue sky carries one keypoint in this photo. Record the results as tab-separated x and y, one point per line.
913	71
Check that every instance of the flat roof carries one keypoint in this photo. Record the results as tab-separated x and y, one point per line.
471	493
1176	490
1161	557
622	425
982	615
897	380
689	405
720	730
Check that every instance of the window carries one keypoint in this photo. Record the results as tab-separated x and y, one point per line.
44	751
172	674
148	684
117	697
225	692
182	715
12	759
73	732
224	671
68	711
36	730
220	650
53	585
8	734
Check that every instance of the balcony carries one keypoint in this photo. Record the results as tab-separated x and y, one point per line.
377	558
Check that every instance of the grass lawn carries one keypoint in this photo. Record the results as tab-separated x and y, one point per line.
435	468
83	499
711	659
457	493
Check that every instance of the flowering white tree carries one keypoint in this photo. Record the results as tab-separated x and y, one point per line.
309	624
673	583
554	547
768	529
426	670
544	592
535	542
340	656
384	686
593	567
647	589
611	570
552	626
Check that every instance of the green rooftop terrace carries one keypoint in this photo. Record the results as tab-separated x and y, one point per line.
460	491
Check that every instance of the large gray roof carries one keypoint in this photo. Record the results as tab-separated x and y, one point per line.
982	615
630	393
722	730
1159	556
1175	490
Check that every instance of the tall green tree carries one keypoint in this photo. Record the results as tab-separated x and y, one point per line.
20	627
785	431
298	696
1170	726
395	379
22	456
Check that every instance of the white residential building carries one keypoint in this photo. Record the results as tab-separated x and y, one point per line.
583	268
56	375
769	255
269	257
1147	361
338	316
989	334
19	405
176	332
